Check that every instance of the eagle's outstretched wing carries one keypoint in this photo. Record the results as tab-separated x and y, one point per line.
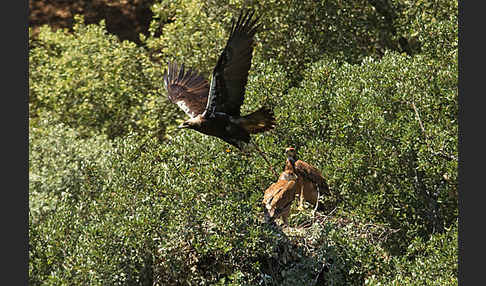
187	89
227	90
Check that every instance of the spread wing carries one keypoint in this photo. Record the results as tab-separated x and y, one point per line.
187	89
229	78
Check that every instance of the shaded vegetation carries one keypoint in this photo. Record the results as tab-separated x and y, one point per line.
365	90
126	19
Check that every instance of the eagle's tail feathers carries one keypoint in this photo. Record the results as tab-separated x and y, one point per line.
259	121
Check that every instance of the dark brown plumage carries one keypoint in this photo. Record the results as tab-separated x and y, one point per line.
215	108
313	183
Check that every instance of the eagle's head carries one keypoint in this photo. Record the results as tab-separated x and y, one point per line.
291	153
192	123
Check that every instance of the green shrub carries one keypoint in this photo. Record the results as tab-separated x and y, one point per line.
94	83
361	129
188	210
431	262
123	208
430	27
302	32
152	221
294	34
57	159
189	35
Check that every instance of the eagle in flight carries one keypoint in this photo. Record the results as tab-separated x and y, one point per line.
214	108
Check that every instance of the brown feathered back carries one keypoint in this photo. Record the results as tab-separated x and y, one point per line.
304	170
215	108
278	198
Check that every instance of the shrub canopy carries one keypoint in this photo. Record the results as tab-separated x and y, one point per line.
365	90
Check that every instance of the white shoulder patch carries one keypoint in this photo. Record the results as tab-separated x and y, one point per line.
185	108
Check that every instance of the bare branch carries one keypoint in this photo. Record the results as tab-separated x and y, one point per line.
440	153
265	158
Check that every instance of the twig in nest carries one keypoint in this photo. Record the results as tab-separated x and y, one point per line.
329	214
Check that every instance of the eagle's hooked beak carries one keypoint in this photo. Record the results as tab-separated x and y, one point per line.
290	153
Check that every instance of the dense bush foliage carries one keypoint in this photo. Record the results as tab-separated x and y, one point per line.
91	81
375	153
432	262
58	159
365	90
302	32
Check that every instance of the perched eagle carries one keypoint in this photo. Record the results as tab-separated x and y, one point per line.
278	198
313	183
215	108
